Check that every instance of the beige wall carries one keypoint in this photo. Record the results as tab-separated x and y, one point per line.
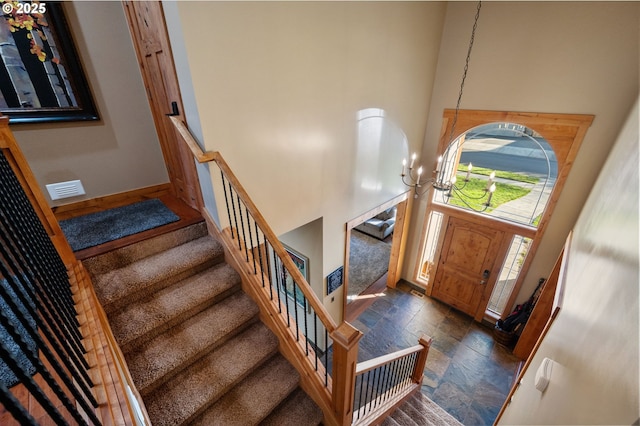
313	104
553	57
594	339
120	152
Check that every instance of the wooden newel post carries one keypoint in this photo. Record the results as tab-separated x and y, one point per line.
418	373
345	357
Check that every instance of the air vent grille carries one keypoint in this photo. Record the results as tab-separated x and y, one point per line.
59	190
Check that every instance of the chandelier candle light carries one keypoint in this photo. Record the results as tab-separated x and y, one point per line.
416	181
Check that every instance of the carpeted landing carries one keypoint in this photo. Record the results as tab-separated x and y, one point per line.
192	339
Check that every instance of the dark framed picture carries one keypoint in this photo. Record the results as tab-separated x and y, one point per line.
41	78
334	280
302	263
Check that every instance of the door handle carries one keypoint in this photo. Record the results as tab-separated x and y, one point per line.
485	276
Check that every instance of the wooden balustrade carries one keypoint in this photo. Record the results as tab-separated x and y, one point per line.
112	388
251	247
383	383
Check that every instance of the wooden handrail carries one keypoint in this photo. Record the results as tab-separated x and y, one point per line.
296	275
277	246
345	337
385	403
185	134
107	370
374	363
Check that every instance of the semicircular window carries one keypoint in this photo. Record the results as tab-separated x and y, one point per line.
504	170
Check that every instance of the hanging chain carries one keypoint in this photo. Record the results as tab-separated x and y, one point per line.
464	74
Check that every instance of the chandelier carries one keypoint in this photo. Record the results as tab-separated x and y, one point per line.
444	177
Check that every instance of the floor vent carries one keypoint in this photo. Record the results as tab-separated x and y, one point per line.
417	294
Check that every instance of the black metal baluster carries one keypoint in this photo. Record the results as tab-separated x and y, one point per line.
73	351
244	231
14	406
295	311
35	361
253	247
306	330
315	339
357	409
226	200
235	216
326	356
267	253
31	386
13	220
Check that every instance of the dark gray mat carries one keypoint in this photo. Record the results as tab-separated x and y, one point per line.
101	227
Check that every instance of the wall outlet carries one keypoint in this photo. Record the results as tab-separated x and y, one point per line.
59	190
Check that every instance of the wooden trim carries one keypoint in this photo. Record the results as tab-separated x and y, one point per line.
80	208
376	210
345	361
564	132
557	304
540	314
503	225
398	242
374	363
108	371
199	155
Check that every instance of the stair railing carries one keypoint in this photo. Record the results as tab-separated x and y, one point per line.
53	345
383	383
291	308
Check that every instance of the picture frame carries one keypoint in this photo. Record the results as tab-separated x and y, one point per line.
41	76
302	263
335	280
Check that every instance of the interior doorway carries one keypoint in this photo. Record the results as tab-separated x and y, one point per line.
475	256
396	208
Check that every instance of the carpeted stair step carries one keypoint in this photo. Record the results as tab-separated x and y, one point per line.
132	253
297	410
194	390
420	410
139	322
117	288
255	397
160	359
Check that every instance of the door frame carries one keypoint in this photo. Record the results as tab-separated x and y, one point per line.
507	228
183	176
398	242
563	132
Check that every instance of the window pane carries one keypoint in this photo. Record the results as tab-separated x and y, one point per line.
509	274
525	170
430	246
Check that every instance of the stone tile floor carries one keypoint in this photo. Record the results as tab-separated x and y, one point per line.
467	372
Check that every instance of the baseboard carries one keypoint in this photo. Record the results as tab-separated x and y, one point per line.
67	211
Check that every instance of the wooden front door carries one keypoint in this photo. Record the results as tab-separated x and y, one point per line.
468	265
151	41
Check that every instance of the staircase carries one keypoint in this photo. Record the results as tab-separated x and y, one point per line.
193	341
419	410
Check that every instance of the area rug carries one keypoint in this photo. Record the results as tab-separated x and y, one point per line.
368	261
98	228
